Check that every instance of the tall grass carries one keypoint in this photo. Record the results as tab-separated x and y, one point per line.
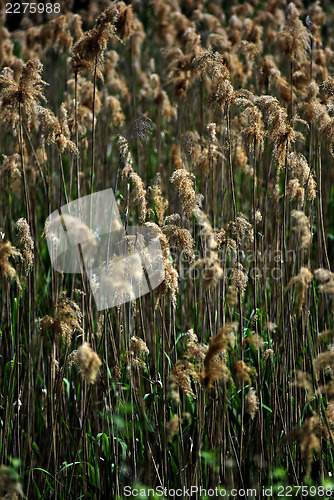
214	127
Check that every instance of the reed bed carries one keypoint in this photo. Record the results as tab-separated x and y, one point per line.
214	126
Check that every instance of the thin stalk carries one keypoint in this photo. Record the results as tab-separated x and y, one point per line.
25	185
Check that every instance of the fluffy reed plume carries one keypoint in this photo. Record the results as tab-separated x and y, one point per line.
327	130
176	157
253	132
328	431
66	322
181	376
231	296
302	380
140	129
213	141
239	278
160	203
265	357
215	367
88	362
116	373
252	403
88	51
27	92
309	442
213	63
241	230
294	39
249	49
56	130
85	92
302	225
125	25
328	335
205	158
10	166
310	106
173	427
181	238
224	241
181	69
280	133
76	25
138	346
302	280
138	185
26	243
170	281
6	270
325	361
184	182
161	99
328	280
56	34
295	191
254	340
195	350
114	111
327	87
303	179
258	217
242	372
210	265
